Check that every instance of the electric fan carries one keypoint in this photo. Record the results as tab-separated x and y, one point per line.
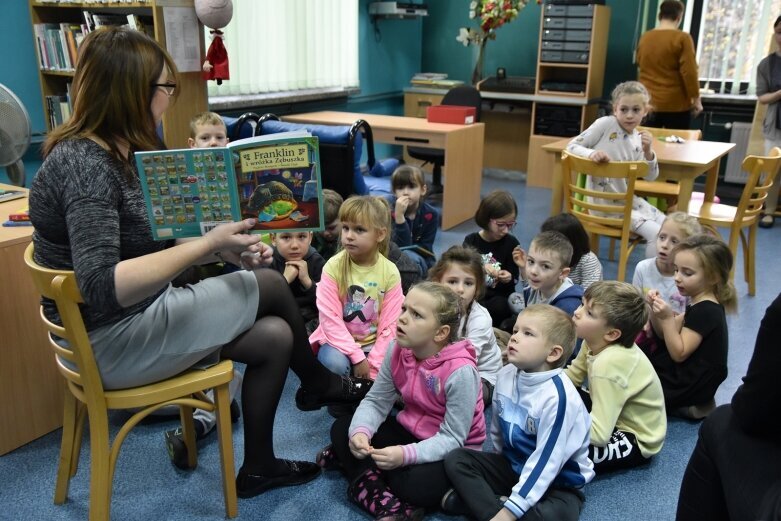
14	135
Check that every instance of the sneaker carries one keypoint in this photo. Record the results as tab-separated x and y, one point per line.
251	485
174	438
453	505
352	390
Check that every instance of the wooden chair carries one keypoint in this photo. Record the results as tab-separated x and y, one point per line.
88	396
763	171
602	213
662	189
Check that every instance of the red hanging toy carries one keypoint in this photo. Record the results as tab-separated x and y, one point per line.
215	14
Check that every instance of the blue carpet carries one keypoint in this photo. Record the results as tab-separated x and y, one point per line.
147	486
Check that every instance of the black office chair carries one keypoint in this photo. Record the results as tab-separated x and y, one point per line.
465	95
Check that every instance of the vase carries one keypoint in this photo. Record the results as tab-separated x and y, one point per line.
477	73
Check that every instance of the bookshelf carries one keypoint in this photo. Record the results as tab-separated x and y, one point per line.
54	82
572	53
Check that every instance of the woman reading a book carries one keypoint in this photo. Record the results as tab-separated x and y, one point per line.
89	215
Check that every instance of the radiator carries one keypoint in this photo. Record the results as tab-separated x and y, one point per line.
740	135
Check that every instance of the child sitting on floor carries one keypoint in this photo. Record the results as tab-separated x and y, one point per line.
585	268
693	361
414	220
617	382
540	432
394	464
327	242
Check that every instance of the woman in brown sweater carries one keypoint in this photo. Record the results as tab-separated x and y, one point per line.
668	69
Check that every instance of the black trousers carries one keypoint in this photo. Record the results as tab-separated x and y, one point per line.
621	451
731	476
481	477
676	120
422	485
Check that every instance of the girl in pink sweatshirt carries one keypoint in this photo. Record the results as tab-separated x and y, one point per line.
395	463
359	294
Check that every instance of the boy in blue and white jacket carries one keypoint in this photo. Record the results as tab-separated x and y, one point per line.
540	432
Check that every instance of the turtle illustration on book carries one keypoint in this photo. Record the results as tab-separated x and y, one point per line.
272	201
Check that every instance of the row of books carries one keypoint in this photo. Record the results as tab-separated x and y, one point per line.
58	44
433	79
58	108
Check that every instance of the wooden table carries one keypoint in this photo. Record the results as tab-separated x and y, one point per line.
463	146
681	162
31	389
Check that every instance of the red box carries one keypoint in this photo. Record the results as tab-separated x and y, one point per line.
455	114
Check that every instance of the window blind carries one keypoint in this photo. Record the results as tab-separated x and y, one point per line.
734	36
291	45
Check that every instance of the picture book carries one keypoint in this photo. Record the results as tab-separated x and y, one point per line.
273	178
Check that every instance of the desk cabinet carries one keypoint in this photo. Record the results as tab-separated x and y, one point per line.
570	74
31	388
416	103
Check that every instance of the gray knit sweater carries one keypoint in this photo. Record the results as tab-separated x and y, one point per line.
88	218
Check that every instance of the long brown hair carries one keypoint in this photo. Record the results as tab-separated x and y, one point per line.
112	91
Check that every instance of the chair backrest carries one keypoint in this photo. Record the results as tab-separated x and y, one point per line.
685	133
762	173
602	213
464	95
61	287
341	147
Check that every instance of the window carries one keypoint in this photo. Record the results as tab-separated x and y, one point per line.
733	36
293	45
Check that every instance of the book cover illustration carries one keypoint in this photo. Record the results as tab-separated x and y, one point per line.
273	178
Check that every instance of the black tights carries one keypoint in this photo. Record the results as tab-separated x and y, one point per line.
275	342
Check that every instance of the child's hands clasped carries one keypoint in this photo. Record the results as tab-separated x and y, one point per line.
599	156
359	446
388	458
302	272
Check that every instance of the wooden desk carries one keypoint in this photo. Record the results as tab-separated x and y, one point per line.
31	389
681	162
463	146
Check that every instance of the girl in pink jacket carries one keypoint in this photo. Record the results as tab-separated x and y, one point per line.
395	463
359	294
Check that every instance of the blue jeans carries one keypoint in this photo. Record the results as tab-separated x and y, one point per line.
334	360
419	260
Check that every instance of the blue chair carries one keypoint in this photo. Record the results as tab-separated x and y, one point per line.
341	147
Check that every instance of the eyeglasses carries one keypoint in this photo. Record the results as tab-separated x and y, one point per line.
168	88
505	224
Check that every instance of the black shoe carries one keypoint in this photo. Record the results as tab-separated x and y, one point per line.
344	409
767	221
352	390
250	485
453	505
235	411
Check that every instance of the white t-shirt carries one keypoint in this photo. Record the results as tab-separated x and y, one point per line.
647	277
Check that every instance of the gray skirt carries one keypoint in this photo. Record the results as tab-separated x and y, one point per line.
184	327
